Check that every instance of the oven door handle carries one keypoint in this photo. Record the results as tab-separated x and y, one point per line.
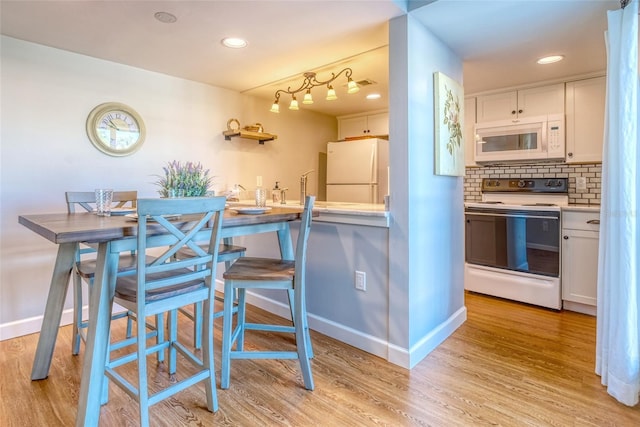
513	215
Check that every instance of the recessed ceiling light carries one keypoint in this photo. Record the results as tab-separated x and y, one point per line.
374	96
550	59
165	17
234	42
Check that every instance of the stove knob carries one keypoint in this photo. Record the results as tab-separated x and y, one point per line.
497	183
521	184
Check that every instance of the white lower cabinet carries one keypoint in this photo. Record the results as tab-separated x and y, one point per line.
580	235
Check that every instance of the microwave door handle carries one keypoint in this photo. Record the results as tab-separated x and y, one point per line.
512	215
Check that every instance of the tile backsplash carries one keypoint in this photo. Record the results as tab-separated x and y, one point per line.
592	172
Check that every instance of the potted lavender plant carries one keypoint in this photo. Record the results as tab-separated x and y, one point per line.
184	180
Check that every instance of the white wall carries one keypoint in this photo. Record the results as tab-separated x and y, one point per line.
46	96
426	243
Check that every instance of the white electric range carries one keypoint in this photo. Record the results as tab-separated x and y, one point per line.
512	240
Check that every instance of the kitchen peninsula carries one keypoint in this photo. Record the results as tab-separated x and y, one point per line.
346	238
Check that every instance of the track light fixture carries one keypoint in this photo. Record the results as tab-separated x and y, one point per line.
310	81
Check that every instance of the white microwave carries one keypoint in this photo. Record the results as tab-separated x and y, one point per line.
520	140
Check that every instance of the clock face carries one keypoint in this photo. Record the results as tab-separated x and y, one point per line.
118	129
115	129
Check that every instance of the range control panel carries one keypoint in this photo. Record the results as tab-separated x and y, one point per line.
531	185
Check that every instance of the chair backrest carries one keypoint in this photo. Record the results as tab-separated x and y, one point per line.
198	216
87	199
303	237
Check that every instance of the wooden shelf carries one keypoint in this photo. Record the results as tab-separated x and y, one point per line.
261	137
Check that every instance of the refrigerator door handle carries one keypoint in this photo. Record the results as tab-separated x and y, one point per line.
372	164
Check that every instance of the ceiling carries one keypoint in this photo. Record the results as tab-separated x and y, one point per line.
498	40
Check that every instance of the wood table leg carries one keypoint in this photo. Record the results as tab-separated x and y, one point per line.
53	310
97	345
284	240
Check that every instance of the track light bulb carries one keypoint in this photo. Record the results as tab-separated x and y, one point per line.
331	94
308	99
352	87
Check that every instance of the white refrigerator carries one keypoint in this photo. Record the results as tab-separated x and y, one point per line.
358	171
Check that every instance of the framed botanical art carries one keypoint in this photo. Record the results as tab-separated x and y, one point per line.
448	123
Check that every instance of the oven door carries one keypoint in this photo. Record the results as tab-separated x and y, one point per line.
518	240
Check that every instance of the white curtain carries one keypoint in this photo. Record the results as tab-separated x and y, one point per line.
618	321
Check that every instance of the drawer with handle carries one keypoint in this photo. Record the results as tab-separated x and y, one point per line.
581	220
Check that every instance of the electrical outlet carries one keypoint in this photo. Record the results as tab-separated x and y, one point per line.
361	280
581	183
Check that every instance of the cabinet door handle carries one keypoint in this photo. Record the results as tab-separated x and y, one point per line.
520	111
570	154
513	111
594	221
566	237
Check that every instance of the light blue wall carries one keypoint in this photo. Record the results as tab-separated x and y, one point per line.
426	238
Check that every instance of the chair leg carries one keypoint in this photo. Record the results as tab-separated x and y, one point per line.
292	307
227	331
173	336
143	390
197	325
241	317
129	324
303	343
208	356
77	314
159	334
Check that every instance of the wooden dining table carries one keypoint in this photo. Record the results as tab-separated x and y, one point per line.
113	235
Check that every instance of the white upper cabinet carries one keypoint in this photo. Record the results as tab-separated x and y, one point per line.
468	132
363	125
537	101
585	120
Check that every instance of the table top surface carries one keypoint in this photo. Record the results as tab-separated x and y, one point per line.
88	227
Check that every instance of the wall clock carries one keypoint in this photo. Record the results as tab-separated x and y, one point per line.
115	129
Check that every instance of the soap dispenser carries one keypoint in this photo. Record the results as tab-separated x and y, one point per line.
275	193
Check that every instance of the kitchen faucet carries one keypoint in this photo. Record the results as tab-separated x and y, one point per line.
303	186
233	195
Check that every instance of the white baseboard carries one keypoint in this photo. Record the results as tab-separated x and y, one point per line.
376	346
591	310
400	356
406	358
32	325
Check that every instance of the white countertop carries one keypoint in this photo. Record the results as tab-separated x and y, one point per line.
582	208
337	212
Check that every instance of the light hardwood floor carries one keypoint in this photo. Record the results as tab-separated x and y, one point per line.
510	364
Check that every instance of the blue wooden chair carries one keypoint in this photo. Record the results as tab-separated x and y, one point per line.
166	284
227	253
85	266
266	273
